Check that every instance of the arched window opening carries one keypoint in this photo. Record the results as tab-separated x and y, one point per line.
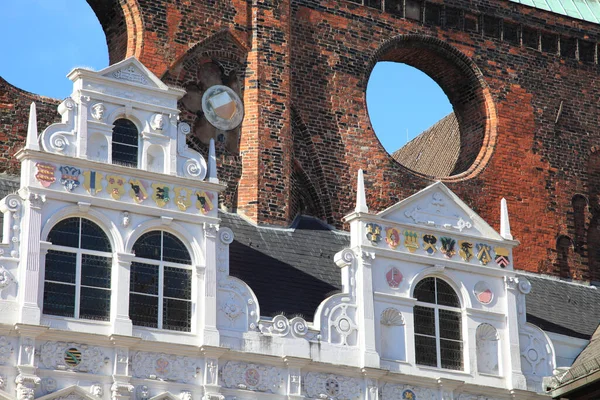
438	327
579	203
563	248
78	271
125	143
161	283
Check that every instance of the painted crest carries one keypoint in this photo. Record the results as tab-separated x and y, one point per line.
204	202
72	357
138	190
409	395
465	249
394	277
222	107
373	233
160	194
70	177
115	186
183	198
392	237
429	242
483	253
483	293
448	248
502	256
162	366
252	377
45	174
92	182
411	240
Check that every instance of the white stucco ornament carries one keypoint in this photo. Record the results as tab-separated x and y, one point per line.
329	386
6	350
163	366
98	111
6	278
257	377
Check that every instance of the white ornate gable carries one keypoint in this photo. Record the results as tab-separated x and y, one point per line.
165	396
69	393
132	71
437	207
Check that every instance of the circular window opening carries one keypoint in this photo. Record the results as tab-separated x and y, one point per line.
427	105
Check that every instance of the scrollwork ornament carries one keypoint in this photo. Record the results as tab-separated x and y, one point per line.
299	327
184	128
524	286
511	282
281	325
59	143
226	236
193	169
6	278
69	103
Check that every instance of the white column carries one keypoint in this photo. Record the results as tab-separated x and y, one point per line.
512	348
210	379
366	311
294	376
119	301
207	281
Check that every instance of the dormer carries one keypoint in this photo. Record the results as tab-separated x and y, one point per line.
124	115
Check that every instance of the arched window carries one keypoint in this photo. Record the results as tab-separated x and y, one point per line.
437	321
78	269
125	143
161	283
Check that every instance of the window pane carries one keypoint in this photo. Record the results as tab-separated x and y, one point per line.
177	315
450	325
144	278
174	250
65	233
451	354
178	283
424	320
95	271
59	299
60	266
93	237
124	155
413	10
148	245
94	304
125	131
143	310
446	296
425	290
426	353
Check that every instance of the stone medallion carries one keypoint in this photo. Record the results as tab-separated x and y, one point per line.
483	293
222	107
393	277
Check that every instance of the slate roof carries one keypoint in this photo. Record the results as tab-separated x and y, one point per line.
587	10
435	151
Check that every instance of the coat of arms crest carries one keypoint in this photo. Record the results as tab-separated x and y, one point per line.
373	233
448	246
392	237
70	177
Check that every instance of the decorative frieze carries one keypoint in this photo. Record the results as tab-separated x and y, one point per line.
257	377
329	386
408	392
166	367
73	356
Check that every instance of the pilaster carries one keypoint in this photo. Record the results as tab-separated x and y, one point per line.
294	376
207	280
210	379
513	370
121	322
366	310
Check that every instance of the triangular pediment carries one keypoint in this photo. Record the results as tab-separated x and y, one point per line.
165	396
69	393
437	207
132	71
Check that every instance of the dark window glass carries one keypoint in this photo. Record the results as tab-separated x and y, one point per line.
530	38
144	278
413	10
426	350
61	266
356	1
178	283
451	354
66	233
177	315
453	18
471	23
394	7
491	27
549	43
510	33
124	143
148	245
446	296
59	299
425	290
568	47
450	325
93	237
587	51
95	271
433	14
174	250
373	4
424	318
143	310
94	304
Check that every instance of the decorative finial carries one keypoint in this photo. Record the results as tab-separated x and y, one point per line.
361	198
32	132
212	163
504	222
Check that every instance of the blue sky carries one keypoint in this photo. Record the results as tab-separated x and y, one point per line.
45	39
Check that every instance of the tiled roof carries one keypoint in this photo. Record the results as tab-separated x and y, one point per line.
435	151
587	10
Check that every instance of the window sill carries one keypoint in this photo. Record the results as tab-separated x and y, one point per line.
143	329
396	361
443	370
75	320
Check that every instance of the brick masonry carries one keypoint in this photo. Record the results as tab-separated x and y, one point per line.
304	65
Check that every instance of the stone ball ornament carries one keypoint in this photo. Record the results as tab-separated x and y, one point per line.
222	107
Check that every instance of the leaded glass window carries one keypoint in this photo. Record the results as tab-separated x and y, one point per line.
438	329
77	272
161	283
125	143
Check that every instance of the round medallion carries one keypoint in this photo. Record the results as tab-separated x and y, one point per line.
222	107
344	325
252	377
483	293
532	355
394	277
409	395
162	366
332	387
72	357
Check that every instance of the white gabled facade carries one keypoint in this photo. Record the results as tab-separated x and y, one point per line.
170	323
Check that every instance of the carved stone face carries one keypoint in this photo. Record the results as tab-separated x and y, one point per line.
186	395
98	111
25	393
97	390
158	122
49	385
